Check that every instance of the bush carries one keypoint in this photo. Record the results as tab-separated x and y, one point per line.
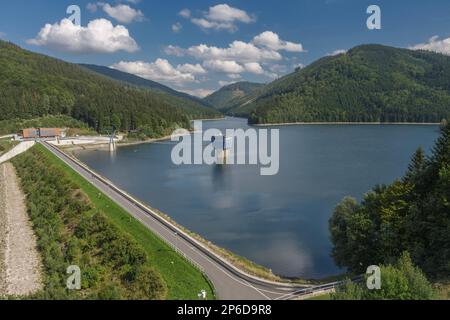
402	281
412	214
71	231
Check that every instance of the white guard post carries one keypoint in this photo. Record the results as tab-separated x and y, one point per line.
223	146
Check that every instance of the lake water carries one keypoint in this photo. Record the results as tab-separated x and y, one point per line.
278	221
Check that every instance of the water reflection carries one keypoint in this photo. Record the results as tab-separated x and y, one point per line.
279	221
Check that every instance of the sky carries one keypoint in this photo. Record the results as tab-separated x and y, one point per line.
199	46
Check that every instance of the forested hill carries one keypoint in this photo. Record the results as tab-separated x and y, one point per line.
34	85
141	82
410	215
370	83
232	95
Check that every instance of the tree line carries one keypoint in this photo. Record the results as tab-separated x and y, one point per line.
71	231
411	215
36	86
369	83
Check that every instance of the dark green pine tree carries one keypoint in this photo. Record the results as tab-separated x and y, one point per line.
440	157
441	151
416	166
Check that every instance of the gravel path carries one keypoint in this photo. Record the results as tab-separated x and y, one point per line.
20	264
3	231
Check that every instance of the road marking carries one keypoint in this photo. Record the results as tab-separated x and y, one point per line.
112	192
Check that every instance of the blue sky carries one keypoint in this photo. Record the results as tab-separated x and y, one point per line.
198	46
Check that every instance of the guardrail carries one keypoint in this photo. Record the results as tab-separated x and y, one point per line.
327	287
177	250
302	290
202	248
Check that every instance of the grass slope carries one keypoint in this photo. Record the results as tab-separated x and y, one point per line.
183	281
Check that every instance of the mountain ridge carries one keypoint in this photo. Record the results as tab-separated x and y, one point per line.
369	83
139	81
35	85
232	95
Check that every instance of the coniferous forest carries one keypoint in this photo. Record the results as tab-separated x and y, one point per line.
369	83
36	86
411	215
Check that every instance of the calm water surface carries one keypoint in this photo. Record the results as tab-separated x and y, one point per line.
278	221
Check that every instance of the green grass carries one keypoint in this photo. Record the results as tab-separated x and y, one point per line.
183	280
6	145
325	296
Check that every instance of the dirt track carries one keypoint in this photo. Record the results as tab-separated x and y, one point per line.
20	265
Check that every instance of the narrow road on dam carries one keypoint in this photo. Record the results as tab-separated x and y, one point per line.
229	282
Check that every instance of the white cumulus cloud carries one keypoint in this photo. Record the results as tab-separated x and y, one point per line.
191	68
99	36
185	13
272	41
201	93
237	51
254	67
435	44
176	27
223	12
264	47
224	66
219	17
240	56
207	24
122	12
232	68
161	70
175	51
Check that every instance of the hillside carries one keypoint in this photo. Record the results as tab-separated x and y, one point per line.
232	95
370	83
35	85
144	83
118	256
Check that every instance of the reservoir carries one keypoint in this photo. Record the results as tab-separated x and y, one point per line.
280	221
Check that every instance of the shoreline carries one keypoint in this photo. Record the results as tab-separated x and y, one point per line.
125	144
132	143
234	260
345	123
105	145
240	262
211	119
101	146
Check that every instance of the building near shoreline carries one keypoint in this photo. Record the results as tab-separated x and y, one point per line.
33	133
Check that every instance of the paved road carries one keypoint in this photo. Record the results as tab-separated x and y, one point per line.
229	282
